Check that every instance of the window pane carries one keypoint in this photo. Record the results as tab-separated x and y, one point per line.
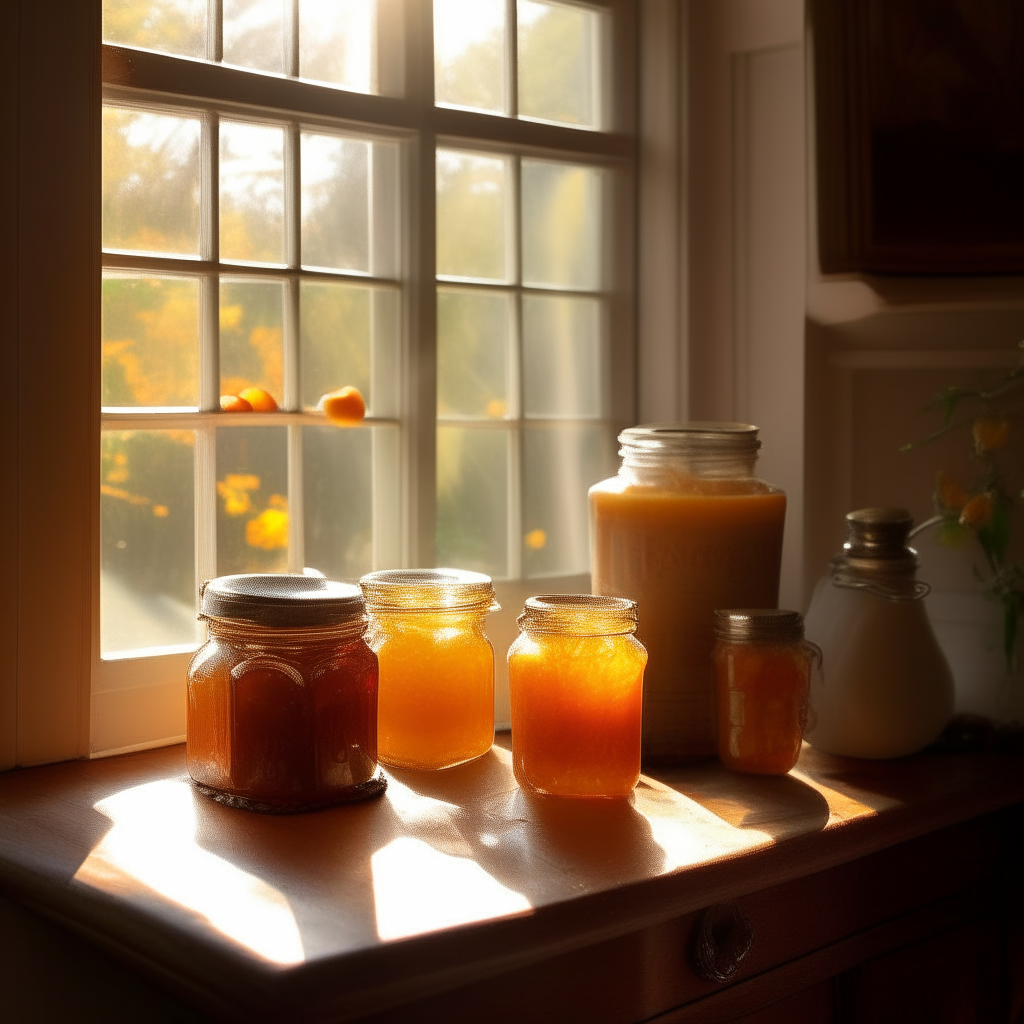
254	34
335	202
150	182
557	50
472	353
150	341
336	472
469	54
251	347
472	499
252	499
472	205
562	232
337	321
177	26
562	352
560	464
336	42
251	193
147	540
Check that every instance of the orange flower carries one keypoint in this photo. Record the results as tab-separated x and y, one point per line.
990	432
977	512
948	493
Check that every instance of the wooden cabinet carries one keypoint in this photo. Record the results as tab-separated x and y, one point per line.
917	932
849	892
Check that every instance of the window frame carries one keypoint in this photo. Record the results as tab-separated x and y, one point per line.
52	446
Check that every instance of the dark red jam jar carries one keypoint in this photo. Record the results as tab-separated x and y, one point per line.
282	698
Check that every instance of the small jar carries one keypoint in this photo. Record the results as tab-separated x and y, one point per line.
436	700
575	676
763	671
889	690
282	698
685	528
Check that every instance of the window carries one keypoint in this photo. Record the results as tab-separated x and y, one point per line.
283	207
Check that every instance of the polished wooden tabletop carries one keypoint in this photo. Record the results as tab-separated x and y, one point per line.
449	877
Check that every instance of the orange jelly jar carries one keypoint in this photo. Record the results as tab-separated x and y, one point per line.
575	676
282	698
763	669
436	699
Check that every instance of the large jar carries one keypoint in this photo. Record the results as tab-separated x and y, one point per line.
575	678
436	699
282	698
887	688
685	528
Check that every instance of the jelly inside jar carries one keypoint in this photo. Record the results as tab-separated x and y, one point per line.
436	695
762	705
283	729
576	713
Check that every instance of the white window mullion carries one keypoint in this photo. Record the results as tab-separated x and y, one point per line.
419	329
205	480
214	30
511	59
515	377
291	38
292	356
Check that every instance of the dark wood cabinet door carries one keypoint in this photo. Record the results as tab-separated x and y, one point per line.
955	977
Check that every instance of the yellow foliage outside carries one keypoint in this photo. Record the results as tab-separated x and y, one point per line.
234	489
536	539
269	530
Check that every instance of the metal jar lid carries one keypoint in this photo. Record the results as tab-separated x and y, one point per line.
428	590
759	625
280	600
693	438
578	615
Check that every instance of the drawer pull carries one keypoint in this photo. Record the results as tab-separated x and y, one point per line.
724	938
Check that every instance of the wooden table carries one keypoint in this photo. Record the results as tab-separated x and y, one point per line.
458	897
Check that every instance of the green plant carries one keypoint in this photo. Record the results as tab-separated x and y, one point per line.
983	510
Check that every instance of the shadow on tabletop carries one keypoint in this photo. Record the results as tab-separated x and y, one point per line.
781	806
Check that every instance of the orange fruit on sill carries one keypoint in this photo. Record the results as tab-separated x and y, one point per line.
344	406
260	400
234	403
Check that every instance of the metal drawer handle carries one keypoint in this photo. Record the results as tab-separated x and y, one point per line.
724	938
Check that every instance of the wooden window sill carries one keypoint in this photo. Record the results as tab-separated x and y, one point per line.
450	879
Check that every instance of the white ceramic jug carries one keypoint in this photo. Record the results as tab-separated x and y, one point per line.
886	689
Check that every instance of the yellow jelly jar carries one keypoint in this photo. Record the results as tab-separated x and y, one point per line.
435	700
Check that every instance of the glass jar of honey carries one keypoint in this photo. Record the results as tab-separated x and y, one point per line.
763	671
436	698
685	528
282	698
575	676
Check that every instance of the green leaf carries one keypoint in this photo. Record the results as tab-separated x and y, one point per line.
952	535
995	538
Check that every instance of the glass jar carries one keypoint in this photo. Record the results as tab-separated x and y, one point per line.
889	690
282	698
575	678
685	528
436	700
762	679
